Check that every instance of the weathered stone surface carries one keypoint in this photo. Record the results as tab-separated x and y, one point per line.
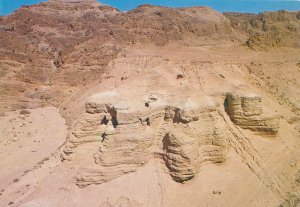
246	111
149	69
189	147
184	138
95	108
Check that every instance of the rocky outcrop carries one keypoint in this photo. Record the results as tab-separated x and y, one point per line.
246	111
187	148
267	30
126	139
145	137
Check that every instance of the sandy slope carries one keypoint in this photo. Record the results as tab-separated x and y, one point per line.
27	141
231	183
142	115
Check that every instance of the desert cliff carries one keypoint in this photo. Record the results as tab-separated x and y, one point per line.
156	106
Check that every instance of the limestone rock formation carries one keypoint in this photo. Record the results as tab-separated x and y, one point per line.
156	106
185	138
188	148
246	111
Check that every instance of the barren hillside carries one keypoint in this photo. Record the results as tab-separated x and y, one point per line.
155	106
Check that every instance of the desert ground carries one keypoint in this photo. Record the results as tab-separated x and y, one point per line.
152	107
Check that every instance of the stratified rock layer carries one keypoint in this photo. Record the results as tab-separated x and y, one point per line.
187	148
246	111
185	138
62	51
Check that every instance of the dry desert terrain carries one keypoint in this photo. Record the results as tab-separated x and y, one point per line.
152	107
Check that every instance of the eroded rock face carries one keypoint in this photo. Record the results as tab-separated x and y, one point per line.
185	139
267	30
246	111
117	135
188	147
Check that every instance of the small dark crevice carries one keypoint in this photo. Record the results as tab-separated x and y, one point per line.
180	76
177	117
114	122
58	61
113	114
104	121
166	142
104	136
148	121
226	105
